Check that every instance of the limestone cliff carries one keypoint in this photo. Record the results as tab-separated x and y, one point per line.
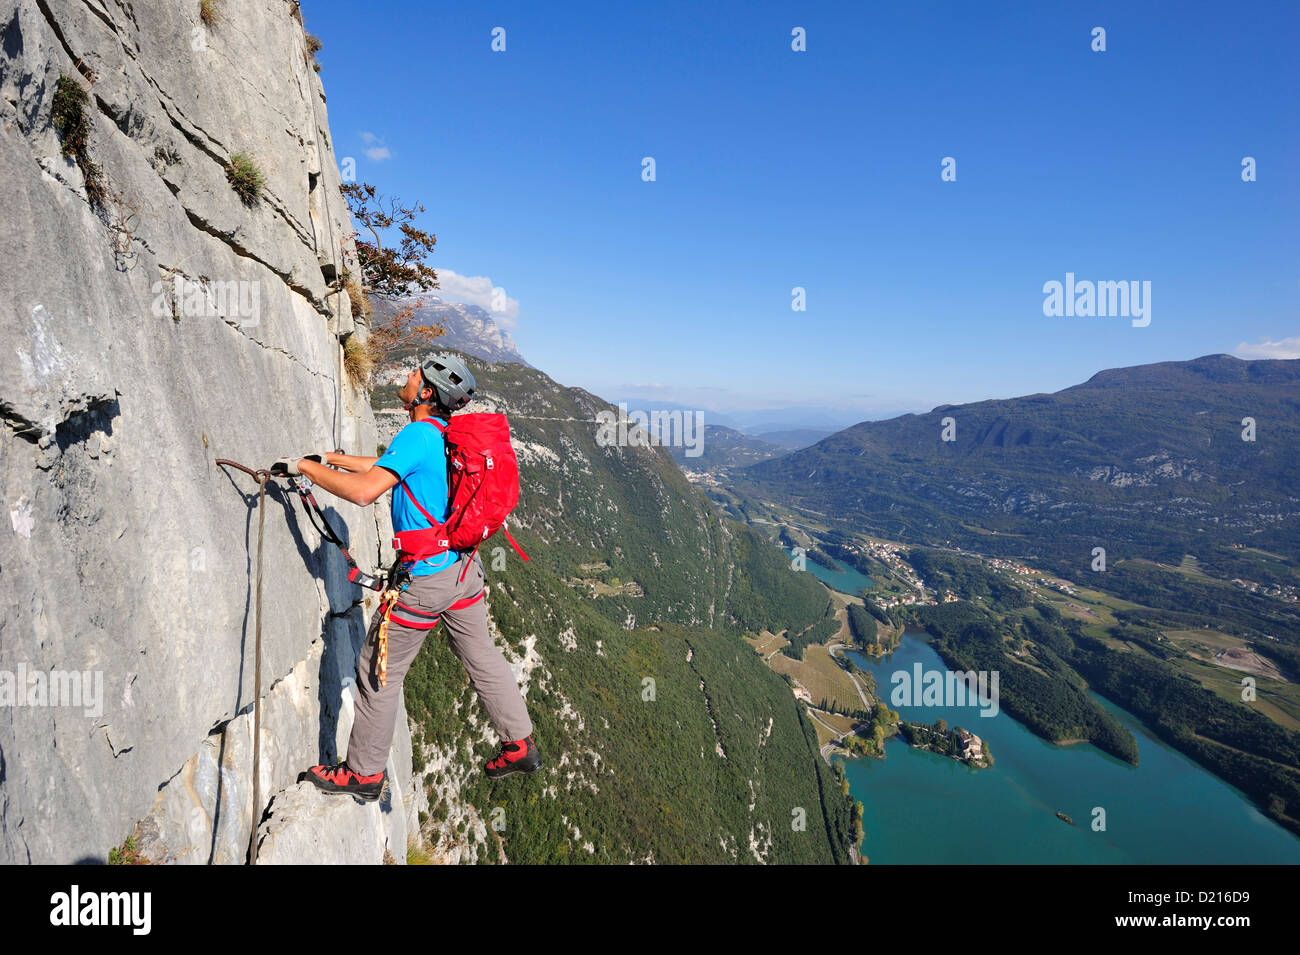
154	321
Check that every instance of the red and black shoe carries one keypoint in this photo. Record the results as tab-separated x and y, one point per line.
520	756
341	779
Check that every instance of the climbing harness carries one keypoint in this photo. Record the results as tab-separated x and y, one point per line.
381	655
303	486
420	544
261	477
398	581
410	618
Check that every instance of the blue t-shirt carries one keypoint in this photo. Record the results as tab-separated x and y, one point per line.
418	457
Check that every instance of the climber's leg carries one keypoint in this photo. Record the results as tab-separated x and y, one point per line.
376	706
494	681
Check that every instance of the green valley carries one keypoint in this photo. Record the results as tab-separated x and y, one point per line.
1162	528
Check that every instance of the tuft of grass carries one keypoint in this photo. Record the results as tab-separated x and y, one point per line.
358	361
128	853
210	12
361	309
72	120
417	855
245	177
313	47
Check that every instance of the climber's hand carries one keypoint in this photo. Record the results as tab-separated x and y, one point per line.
287	466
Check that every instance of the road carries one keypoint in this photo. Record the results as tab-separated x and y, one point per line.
857	685
827	748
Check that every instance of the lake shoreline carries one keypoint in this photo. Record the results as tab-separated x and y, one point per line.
919	809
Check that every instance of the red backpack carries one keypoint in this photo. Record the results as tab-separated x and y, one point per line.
482	490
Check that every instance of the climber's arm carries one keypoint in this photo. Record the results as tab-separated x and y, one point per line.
410	448
362	489
358	464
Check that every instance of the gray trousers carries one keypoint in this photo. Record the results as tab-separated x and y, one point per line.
467	629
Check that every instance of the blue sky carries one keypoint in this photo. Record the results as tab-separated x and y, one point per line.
821	169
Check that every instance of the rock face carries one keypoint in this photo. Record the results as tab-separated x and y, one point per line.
151	333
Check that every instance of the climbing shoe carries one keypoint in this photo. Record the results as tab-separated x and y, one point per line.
521	756
341	779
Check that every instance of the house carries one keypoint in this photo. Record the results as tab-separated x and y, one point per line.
969	746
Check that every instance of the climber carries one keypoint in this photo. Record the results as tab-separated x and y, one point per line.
441	586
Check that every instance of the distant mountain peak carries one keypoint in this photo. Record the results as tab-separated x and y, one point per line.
1211	368
470	328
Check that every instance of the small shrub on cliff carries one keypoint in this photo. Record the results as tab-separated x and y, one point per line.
314	46
128	853
209	12
246	179
392	273
69	114
72	120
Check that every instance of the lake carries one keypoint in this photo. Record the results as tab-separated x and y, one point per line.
923	808
845	579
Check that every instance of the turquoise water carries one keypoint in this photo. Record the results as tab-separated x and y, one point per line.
923	808
846	580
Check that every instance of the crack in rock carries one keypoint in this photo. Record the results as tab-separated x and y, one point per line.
203	225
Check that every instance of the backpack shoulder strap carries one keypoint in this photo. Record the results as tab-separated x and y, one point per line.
427	516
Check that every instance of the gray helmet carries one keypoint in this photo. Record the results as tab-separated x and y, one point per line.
451	381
